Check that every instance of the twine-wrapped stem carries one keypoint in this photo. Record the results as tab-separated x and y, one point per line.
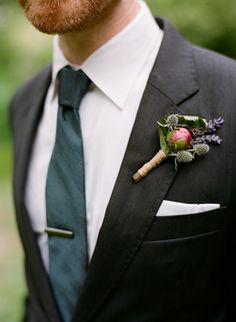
149	166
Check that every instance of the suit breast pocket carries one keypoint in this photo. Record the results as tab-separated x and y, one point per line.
174	228
181	259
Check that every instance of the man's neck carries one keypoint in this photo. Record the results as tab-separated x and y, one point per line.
77	46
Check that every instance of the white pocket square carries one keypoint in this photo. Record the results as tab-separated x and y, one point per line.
172	208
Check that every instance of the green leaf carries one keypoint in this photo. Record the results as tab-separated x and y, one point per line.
163	143
192	122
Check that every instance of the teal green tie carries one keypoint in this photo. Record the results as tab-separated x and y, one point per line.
65	197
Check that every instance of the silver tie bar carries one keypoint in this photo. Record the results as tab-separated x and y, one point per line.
59	232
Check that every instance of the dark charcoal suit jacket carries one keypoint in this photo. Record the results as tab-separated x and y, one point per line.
147	268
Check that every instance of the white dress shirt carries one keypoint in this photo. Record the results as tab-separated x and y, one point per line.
119	71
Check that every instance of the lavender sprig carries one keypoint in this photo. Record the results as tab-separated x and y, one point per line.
197	132
214	124
210	138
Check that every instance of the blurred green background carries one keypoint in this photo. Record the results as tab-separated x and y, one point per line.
23	50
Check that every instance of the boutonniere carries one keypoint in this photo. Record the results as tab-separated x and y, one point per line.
182	138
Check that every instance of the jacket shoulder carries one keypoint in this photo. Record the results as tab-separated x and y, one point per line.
214	65
23	91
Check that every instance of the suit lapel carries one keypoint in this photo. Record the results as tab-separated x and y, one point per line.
31	108
31	105
132	207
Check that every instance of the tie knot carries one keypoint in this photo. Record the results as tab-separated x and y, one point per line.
72	87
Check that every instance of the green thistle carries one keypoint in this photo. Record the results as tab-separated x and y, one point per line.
172	120
184	157
201	149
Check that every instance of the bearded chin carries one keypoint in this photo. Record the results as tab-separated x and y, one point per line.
51	18
56	17
62	16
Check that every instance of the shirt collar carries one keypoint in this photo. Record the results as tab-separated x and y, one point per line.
114	67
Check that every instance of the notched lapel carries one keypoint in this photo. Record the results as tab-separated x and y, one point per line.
30	102
132	207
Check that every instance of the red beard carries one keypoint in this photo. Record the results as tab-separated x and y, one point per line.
61	16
